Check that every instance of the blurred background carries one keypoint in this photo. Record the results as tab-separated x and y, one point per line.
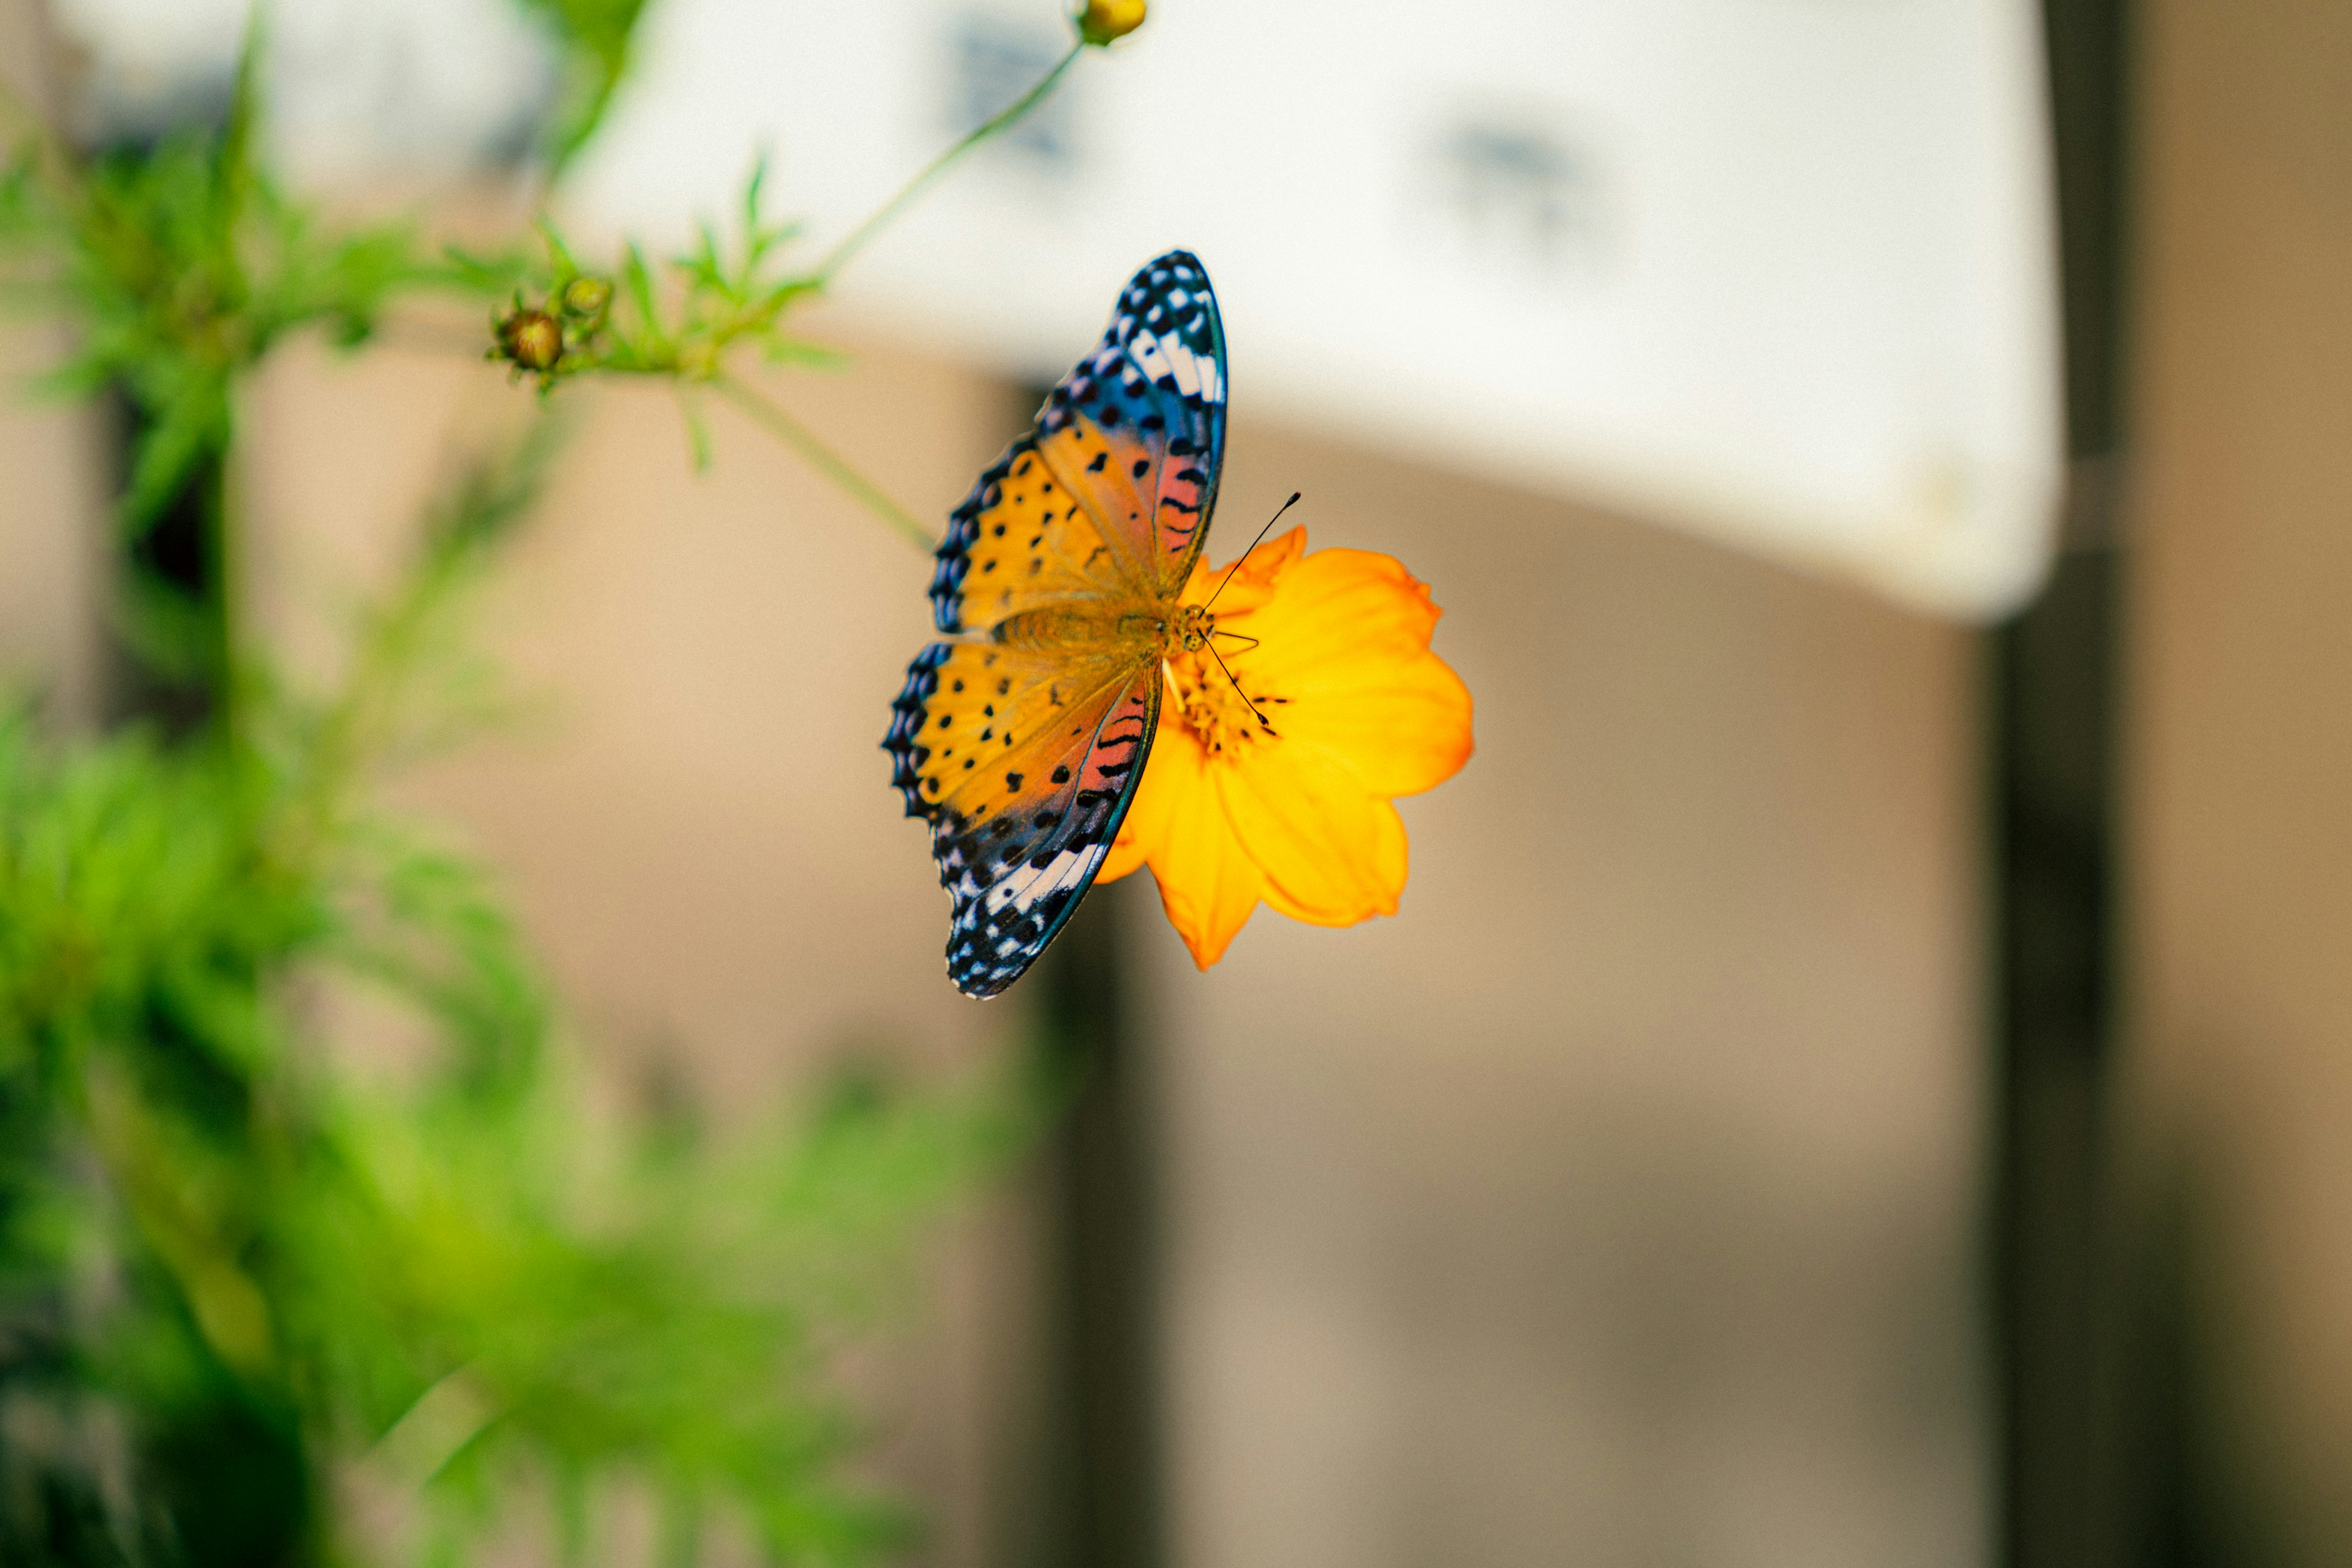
1862	1072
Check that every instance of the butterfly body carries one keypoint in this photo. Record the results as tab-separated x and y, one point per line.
1022	736
1159	630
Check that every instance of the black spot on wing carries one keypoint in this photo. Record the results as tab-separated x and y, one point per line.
954	551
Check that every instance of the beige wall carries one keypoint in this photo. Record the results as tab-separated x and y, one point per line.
1612	1205
52	478
2241	730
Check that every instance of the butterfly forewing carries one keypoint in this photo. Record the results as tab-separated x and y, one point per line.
1138	428
1132	440
1023	744
1022	541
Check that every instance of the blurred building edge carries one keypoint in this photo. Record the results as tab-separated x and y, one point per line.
53	479
2051	811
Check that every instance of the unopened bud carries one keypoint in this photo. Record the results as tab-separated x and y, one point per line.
584	297
531	339
1103	20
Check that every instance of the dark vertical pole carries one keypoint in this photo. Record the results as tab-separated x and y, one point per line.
172	580
1094	1486
2053	712
2053	685
1102	1465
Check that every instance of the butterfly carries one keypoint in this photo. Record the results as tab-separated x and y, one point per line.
1022	736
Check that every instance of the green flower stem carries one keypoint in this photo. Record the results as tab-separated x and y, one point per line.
1011	114
825	461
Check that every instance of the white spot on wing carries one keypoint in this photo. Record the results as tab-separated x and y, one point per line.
1145	350
1167	355
1066	872
1212	386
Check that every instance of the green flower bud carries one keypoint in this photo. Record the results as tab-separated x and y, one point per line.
585	298
533	339
1101	21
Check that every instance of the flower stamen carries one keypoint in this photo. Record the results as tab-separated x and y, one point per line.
1213	704
1262	723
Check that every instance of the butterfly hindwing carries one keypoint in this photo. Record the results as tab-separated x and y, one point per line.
1022	744
1024	763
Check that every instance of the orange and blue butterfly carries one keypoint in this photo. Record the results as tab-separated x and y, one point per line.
1021	737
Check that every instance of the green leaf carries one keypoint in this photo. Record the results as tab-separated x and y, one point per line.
780	349
698	432
638	281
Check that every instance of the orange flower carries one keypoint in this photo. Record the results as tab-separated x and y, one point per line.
1294	810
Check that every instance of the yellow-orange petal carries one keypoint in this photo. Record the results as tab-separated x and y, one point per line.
1331	852
1239	589
1300	819
1345	643
1127	851
1208	884
1402	725
1337	608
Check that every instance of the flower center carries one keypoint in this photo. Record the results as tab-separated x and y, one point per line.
1213	707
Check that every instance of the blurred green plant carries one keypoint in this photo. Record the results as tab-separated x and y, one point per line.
262	1278
182	264
266	1300
593	39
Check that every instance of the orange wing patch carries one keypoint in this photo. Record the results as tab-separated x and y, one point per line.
999	721
1023	542
1150	501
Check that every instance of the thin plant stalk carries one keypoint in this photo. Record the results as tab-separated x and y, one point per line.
856	241
825	461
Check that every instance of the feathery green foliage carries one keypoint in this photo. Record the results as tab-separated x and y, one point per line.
308	1221
715	299
181	266
251	1267
689	323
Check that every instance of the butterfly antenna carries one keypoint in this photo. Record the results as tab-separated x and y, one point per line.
1264	722
1254	543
